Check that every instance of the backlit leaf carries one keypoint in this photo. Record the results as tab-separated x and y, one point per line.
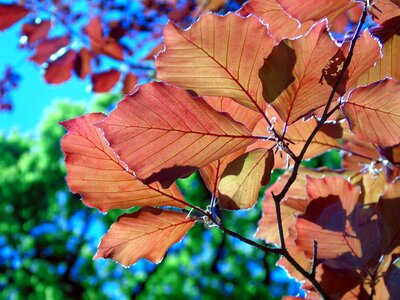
291	75
35	31
243	178
373	112
217	56
147	233
280	24
48	47
314	10
162	133
95	172
60	70
326	218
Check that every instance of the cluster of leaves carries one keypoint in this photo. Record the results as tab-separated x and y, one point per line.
242	95
47	238
65	41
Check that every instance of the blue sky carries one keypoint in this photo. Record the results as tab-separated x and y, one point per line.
33	94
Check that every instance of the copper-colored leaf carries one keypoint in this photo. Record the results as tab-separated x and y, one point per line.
280	24
242	179
48	47
60	70
333	199
385	10
217	56
366	53
162	133
147	233
314	10
10	14
82	65
103	82
130	81
387	65
36	31
373	112
291	74
95	172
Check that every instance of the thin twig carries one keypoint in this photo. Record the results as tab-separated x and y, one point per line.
314	260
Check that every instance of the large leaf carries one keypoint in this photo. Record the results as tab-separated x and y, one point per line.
95	172
280	24
217	56
373	112
291	75
333	200
147	233
242	179
162	133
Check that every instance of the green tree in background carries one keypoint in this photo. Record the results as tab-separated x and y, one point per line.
48	238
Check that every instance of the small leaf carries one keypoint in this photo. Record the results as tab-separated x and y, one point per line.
147	233
103	82
95	172
243	178
130	82
10	14
48	47
82	65
217	56
162	133
373	112
36	32
60	70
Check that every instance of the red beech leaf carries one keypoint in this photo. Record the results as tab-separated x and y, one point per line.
48	47
291	75
130	82
211	174
162	133
280	24
320	9
147	233
10	14
387	65
36	32
373	112
366	53
82	65
95	172
333	199
217	56
60	70
243	178
94	30
385	10
103	82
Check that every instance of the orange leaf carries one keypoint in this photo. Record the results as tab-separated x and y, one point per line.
280	24
243	178
10	14
314	10
217	56
95	172
147	233
385	10
130	82
103	82
162	133
373	112
292	73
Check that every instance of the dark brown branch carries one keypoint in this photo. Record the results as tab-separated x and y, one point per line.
314	260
